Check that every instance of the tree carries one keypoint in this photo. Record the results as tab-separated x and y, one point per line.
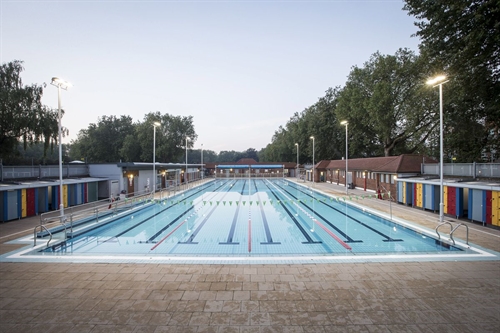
103	142
22	115
318	120
194	156
113	139
170	137
462	39
388	106
229	156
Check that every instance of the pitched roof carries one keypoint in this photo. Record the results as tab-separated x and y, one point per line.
322	164
406	163
246	161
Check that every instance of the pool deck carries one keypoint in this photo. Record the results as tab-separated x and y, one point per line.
439	296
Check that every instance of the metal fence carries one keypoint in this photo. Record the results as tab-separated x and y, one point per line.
42	171
473	170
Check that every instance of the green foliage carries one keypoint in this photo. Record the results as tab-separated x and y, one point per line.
320	121
462	39
389	108
35	154
103	141
22	115
113	139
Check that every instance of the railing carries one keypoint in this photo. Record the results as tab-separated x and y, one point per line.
452	230
41	227
252	175
88	213
472	170
42	171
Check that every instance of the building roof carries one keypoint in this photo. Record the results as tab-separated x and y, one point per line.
250	161
323	164
405	163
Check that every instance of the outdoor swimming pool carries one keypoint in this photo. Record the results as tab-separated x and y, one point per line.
249	217
248	221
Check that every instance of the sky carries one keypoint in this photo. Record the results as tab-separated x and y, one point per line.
240	68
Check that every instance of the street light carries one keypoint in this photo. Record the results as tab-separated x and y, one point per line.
312	137
202	172
346	123
439	81
297	171
185	172
60	84
155	125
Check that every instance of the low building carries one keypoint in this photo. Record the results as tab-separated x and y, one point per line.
245	165
376	174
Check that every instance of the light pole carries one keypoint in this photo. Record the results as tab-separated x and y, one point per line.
60	84
202	171
155	124
346	123
312	137
439	81
297	171
185	172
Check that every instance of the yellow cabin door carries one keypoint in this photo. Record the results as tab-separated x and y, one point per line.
419	195
24	210
445	199
495	208
65	195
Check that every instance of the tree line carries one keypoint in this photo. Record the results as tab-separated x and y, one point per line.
388	107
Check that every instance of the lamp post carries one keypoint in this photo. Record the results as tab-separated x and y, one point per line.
346	123
202	171
186	171
312	137
297	171
155	124
439	81
60	84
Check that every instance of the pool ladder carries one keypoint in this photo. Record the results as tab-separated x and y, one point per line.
42	227
452	230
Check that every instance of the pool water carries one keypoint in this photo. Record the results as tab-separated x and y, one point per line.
249	217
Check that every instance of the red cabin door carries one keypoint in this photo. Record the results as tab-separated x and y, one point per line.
488	207
30	202
452	201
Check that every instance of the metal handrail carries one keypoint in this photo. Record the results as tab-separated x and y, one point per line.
34	234
93	212
451	229
467	232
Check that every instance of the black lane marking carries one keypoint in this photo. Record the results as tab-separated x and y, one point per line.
387	238
150	240
178	217
297	223
264	220
243	188
348	239
158	213
113	224
193	235
233	227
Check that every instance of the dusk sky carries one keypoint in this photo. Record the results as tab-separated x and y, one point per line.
240	68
